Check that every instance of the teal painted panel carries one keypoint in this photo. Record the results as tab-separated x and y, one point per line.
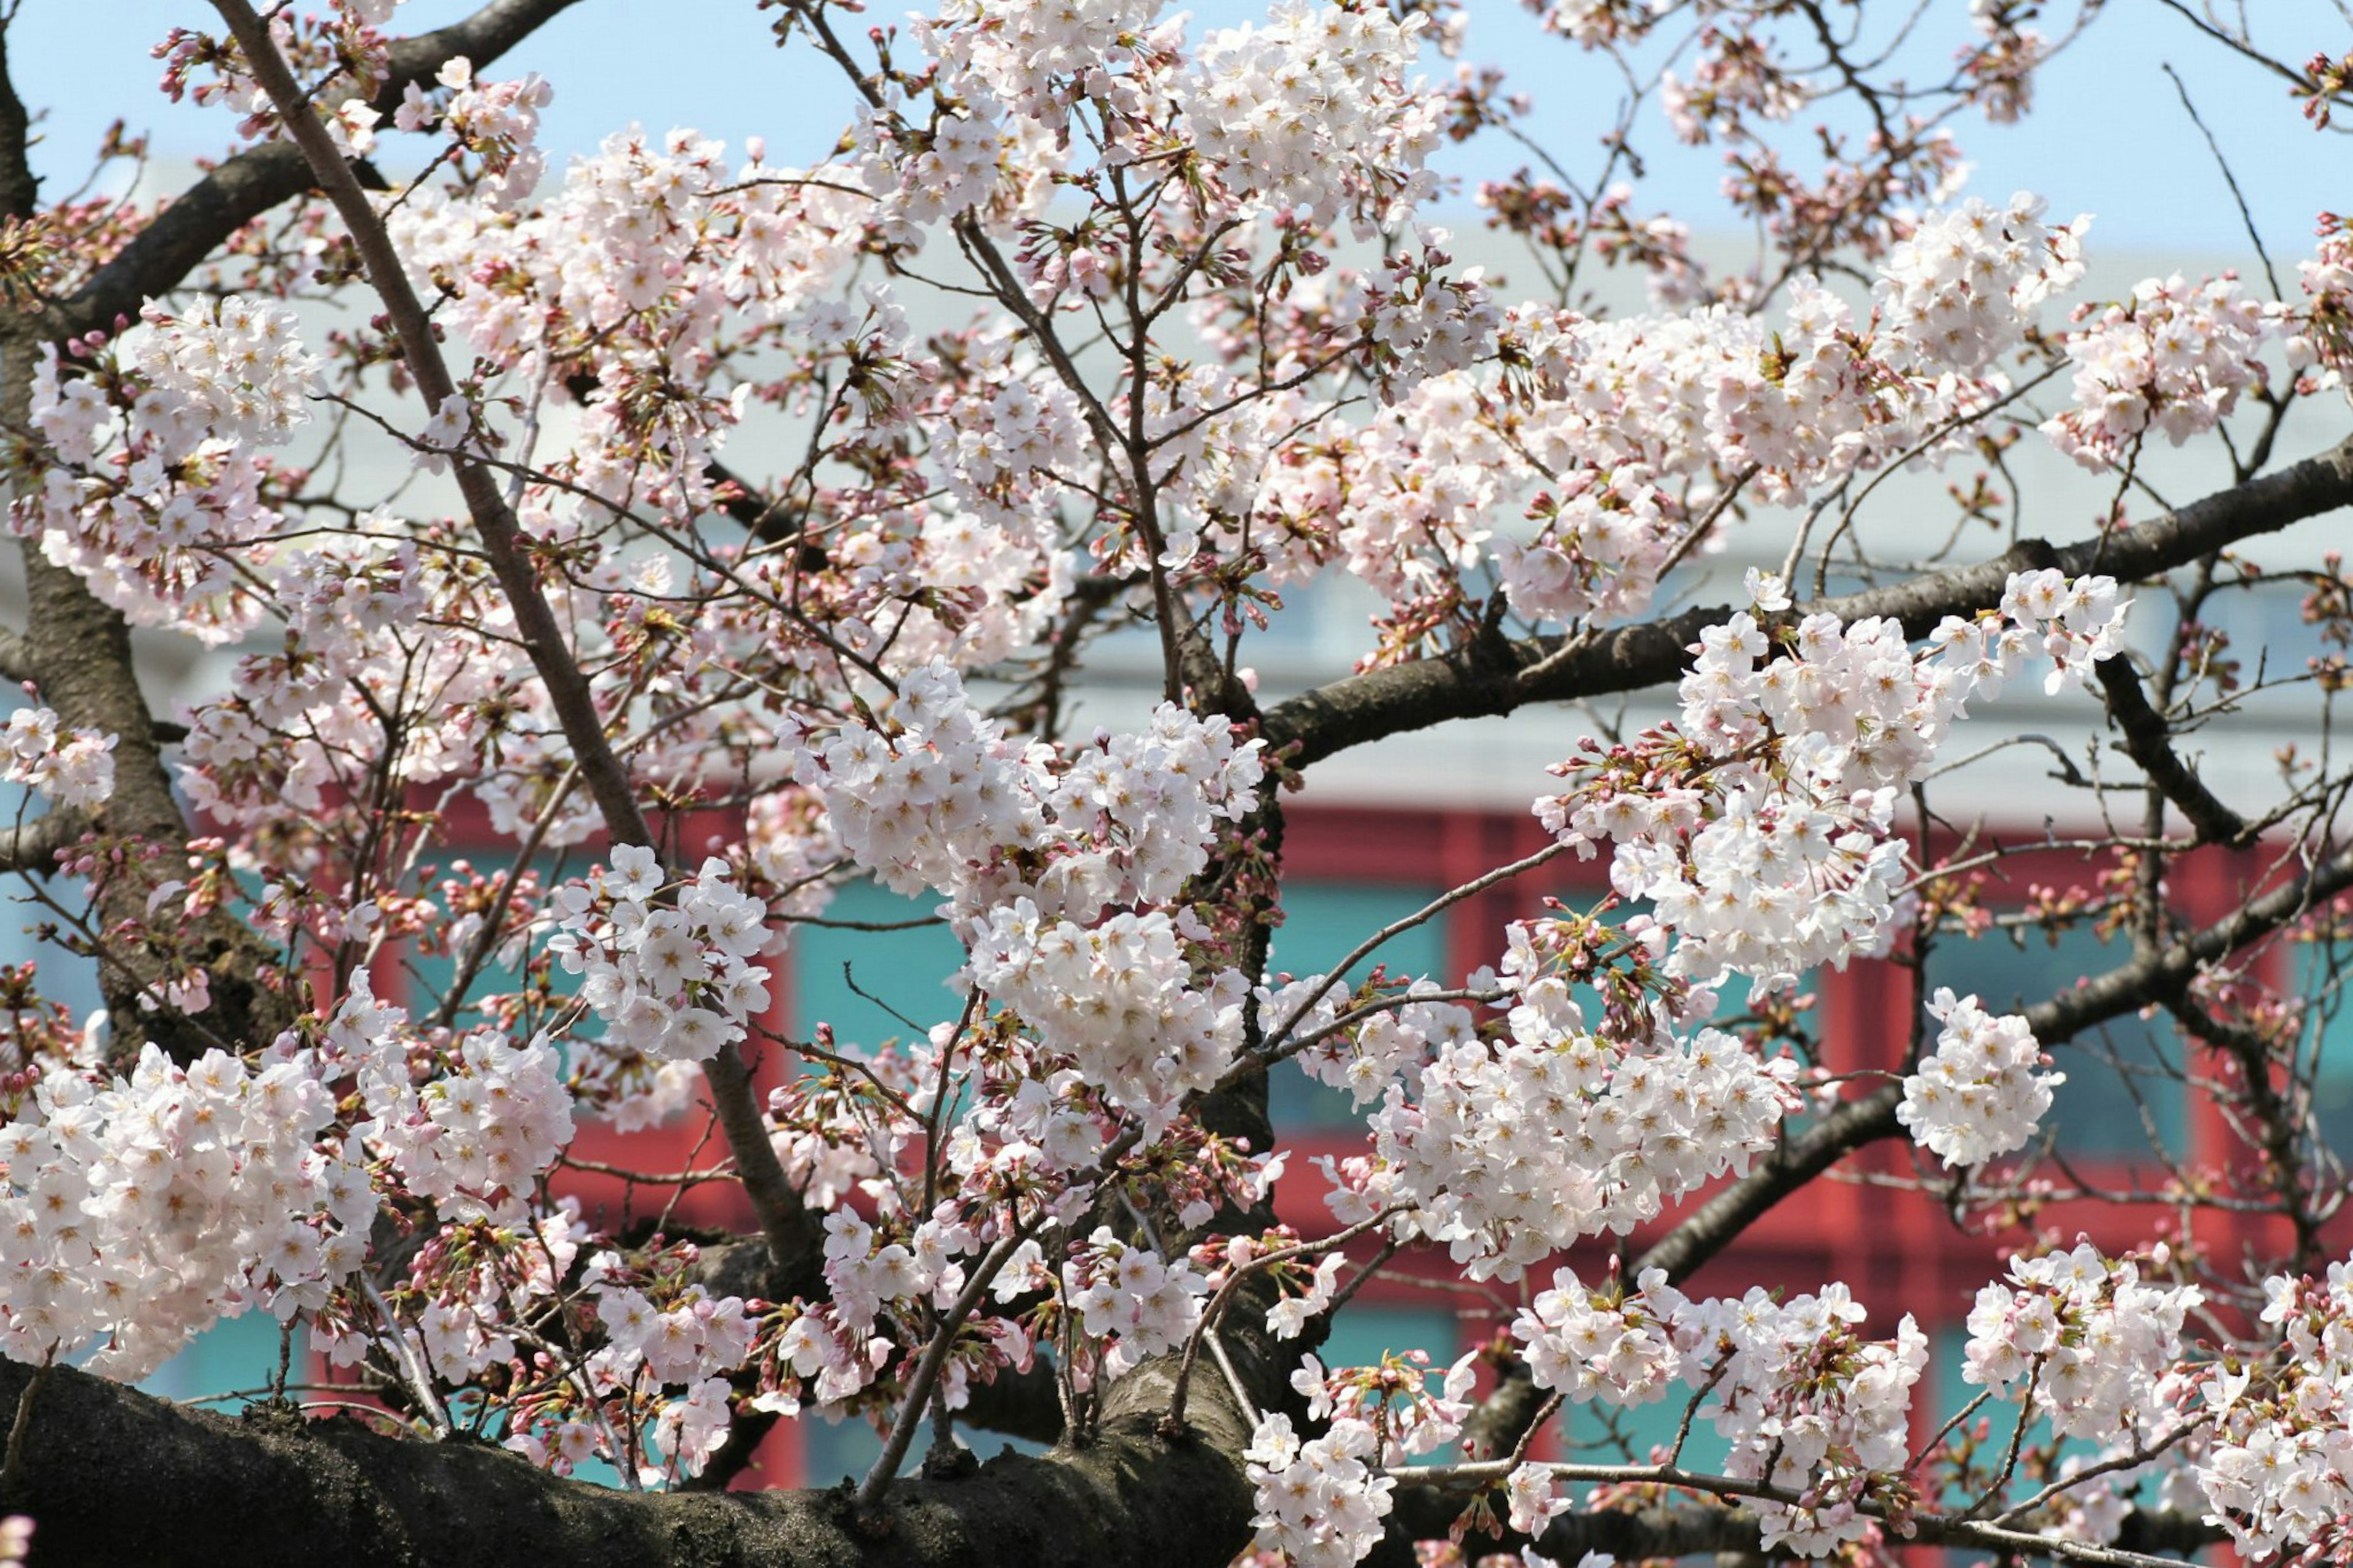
236	1355
1325	921
904	972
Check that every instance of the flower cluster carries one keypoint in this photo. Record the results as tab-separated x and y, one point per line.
1808	1404
2320	332
653	1396
2079	622
1963	288
145	1207
2175	358
1513	1149
157	490
1602	1344
471	1126
1130	1297
1119	1000
1735	77
1320	1502
498	121
2275	1471
1532	1501
1313	112
2086	1335
1981	1093
1763	830
232	368
944	801
78	773
674	981
1364	1056
1601	538
1423	321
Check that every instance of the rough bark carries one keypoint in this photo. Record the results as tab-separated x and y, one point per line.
114	1476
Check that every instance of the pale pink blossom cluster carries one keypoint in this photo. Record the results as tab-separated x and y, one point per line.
233	368
1808	1404
672	980
653	1394
1615	428
1364	1056
475	1130
2174	359
496	121
868	1275
1320	1502
941	799
1608	1344
957	163
1778	853
2277	1470
1121	1001
145	1207
1012	436
2320	332
1424	321
1963	288
157	477
1981	1093
2078	621
1392	1397
1532	1501
2086	1336
1323	1501
1312	110
76	770
1510	1149
1042	60
648	260
368	614
2004	64
1602	536
1131	1298
1735	78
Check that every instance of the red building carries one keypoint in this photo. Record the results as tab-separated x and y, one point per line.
1353	870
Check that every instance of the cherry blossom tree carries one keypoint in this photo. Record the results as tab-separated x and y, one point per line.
1098	319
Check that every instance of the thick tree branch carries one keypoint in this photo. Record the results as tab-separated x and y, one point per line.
1685	1528
1693	1528
109	1473
792	1231
1496	675
15	657
2148	741
200	219
33	846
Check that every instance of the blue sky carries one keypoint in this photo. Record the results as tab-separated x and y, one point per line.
2109	136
